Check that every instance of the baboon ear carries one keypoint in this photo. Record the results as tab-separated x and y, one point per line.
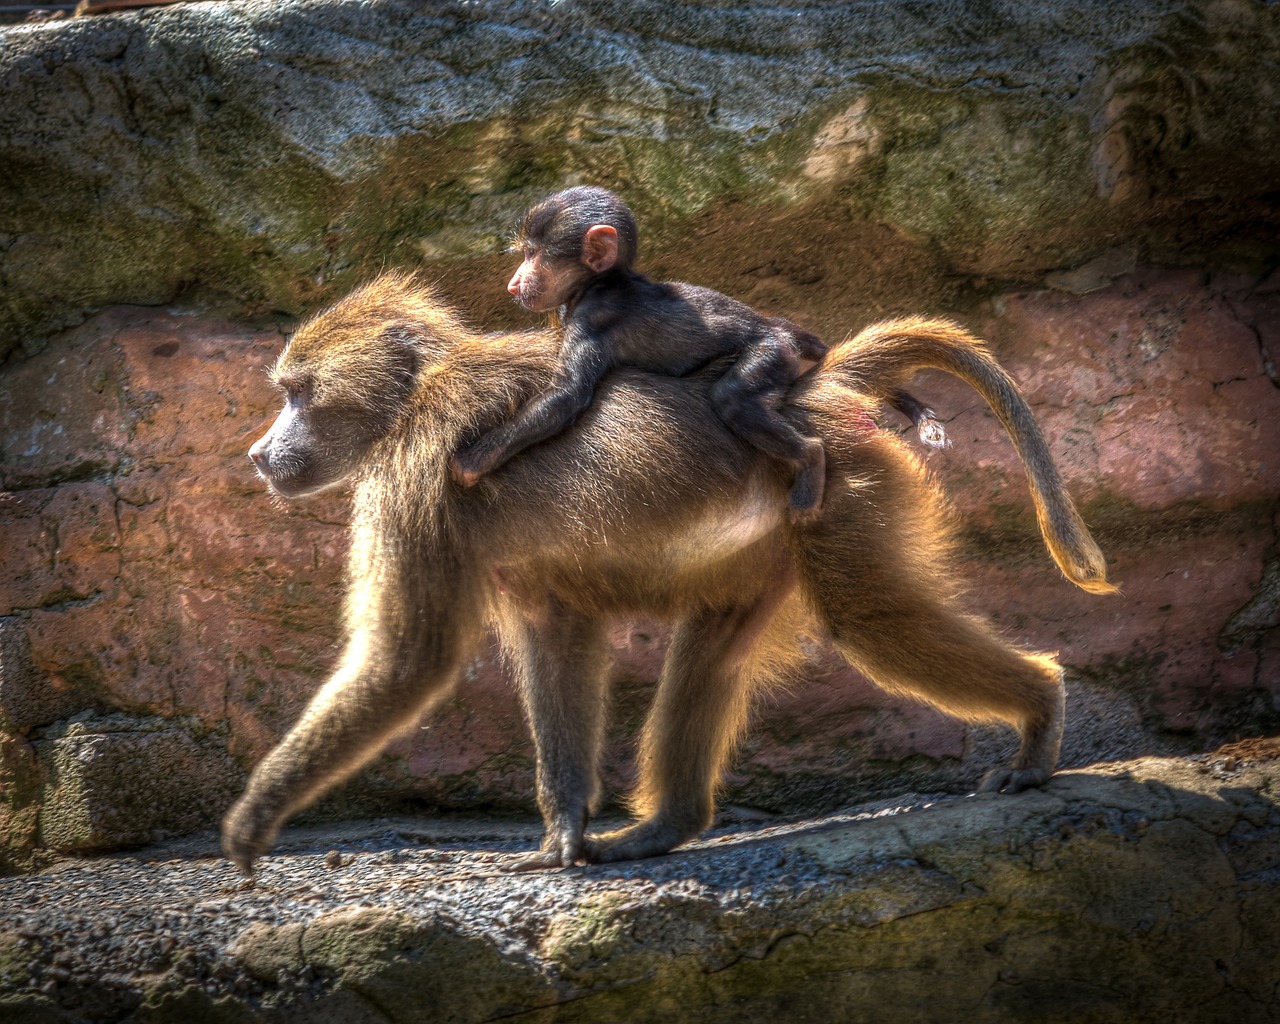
600	247
405	345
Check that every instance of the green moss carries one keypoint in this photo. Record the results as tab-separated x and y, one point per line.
596	931
191	1005
283	228
31	1009
970	174
1116	520
15	954
410	969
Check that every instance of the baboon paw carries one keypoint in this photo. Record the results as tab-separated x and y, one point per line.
542	860
246	835
804	503
463	474
804	516
1012	780
241	852
560	852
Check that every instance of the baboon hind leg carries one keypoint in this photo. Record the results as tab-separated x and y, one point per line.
561	657
954	662
699	710
747	398
892	613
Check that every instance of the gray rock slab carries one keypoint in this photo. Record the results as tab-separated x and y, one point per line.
278	152
1137	891
119	780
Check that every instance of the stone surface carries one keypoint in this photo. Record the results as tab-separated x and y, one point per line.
1139	891
279	152
117	781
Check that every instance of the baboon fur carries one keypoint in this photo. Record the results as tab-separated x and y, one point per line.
648	505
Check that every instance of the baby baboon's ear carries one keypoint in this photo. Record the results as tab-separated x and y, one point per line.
600	247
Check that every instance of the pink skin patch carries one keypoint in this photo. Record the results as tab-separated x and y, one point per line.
862	421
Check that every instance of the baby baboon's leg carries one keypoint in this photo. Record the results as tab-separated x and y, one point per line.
747	398
561	657
699	710
891	613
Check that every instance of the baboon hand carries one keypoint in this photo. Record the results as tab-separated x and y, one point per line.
248	831
1012	780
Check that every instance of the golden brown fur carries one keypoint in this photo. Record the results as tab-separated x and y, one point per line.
647	505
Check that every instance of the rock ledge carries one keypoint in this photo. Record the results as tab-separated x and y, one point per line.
1133	891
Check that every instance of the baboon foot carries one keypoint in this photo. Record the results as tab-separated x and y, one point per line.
805	500
804	516
643	839
561	849
464	472
1012	780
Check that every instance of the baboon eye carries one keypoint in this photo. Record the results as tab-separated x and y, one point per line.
294	390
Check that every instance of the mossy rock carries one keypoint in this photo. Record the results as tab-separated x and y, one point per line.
277	154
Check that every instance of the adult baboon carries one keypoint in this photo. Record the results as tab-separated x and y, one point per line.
649	505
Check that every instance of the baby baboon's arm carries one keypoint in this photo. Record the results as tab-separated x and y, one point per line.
585	358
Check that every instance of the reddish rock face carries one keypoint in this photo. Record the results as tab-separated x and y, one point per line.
146	570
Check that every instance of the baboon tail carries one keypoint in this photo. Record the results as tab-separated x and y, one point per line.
882	358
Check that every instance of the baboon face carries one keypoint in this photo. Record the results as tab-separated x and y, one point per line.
342	394
566	241
541	283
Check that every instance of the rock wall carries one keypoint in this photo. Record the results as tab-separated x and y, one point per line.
1088	185
278	153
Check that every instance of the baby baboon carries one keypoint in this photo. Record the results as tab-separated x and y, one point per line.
579	249
650	505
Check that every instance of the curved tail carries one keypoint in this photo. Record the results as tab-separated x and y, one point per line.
881	359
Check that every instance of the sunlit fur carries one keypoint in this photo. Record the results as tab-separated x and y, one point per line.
647	505
886	355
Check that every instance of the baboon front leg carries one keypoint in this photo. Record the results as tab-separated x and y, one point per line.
370	697
699	710
561	658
